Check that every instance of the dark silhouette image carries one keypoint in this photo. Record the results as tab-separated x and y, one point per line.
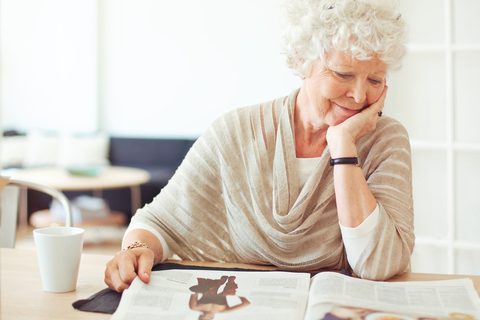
209	300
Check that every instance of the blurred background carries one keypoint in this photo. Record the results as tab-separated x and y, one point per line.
134	82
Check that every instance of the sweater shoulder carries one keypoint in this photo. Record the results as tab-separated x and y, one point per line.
388	131
391	126
243	115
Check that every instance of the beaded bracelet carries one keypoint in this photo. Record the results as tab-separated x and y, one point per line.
136	244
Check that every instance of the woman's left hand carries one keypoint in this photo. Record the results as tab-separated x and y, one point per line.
341	138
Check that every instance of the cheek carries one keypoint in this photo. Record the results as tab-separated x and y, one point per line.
374	94
332	90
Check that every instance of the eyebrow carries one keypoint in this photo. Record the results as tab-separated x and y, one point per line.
378	73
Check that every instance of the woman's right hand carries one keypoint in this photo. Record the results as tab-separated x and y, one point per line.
126	265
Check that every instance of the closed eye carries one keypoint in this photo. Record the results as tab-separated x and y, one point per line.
375	82
345	76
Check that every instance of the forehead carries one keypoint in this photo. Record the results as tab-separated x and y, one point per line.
345	60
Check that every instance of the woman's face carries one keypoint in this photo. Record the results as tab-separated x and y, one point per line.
342	86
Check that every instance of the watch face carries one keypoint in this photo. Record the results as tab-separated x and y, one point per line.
387	316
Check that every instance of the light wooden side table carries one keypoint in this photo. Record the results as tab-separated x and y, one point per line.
110	177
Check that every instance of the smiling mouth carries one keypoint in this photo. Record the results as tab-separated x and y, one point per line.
347	110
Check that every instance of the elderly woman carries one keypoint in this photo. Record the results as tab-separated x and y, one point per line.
313	180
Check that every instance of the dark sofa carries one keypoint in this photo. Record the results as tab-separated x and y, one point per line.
159	156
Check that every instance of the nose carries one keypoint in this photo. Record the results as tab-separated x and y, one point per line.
358	92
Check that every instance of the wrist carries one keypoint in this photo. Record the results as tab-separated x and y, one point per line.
341	149
154	240
341	144
135	244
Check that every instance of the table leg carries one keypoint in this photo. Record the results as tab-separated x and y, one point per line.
136	198
23	208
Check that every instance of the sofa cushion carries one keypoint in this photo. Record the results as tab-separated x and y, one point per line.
145	152
159	156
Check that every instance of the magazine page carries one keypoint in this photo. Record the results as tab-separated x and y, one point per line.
207	294
336	296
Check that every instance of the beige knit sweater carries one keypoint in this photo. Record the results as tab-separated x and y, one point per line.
237	197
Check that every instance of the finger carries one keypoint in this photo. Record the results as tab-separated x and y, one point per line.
117	283
112	277
106	275
381	101
126	266
145	264
372	110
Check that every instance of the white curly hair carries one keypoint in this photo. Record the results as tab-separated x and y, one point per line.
362	28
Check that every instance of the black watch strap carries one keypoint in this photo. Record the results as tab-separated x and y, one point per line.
345	160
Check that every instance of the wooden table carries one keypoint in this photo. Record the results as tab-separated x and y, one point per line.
21	295
110	177
21	291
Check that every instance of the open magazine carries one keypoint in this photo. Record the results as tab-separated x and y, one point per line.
275	295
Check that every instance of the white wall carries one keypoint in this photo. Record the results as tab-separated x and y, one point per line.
171	67
48	64
165	68
437	99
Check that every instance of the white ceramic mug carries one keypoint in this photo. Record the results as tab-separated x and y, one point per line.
58	251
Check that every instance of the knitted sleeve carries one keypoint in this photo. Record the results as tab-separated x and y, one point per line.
388	171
